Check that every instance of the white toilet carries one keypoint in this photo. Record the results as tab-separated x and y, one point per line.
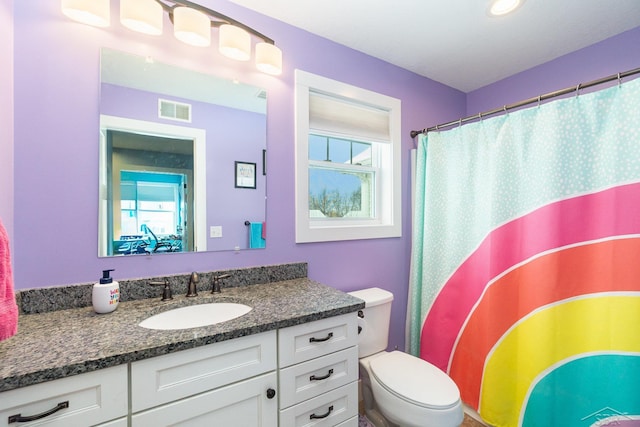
400	389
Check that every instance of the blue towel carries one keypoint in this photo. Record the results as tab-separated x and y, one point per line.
255	236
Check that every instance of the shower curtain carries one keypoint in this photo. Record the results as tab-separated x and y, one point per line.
525	275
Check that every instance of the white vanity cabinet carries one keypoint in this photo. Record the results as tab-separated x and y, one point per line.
304	375
94	398
318	373
230	383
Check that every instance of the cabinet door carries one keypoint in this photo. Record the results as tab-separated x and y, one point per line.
79	400
174	376
314	339
244	404
122	422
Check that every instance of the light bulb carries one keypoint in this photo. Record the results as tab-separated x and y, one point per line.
143	16
269	59
191	26
90	12
235	43
502	7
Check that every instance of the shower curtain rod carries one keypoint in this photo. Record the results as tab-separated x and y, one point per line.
534	100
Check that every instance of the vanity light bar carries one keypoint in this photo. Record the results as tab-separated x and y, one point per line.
192	25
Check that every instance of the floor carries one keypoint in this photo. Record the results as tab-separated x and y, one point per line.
470	422
467	422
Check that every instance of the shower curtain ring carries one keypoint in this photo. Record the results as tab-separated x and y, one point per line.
619	80
578	89
539	99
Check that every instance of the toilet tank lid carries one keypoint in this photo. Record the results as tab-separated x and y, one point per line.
373	296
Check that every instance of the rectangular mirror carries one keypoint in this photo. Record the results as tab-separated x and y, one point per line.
170	139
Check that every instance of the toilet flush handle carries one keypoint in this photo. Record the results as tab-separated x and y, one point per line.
360	315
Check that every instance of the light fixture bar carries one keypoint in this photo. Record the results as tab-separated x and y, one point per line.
192	25
222	19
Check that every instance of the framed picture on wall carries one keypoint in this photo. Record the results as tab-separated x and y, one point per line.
245	175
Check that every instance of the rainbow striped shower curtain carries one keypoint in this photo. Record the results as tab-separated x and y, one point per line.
525	281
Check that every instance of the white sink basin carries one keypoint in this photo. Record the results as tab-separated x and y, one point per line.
194	316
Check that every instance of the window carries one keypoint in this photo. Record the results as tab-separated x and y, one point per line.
347	162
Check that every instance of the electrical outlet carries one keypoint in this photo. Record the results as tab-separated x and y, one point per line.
215	231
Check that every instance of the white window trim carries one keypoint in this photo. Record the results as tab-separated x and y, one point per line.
389	220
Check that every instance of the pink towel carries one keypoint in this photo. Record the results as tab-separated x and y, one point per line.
8	307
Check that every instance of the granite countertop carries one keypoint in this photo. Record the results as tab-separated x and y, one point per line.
61	343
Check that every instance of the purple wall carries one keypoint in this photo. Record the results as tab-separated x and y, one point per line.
56	144
6	116
611	56
56	151
231	135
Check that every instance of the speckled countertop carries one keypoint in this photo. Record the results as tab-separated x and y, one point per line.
60	343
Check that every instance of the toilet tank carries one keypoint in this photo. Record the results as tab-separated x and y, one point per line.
374	335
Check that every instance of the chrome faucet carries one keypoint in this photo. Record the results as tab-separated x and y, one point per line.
192	290
215	284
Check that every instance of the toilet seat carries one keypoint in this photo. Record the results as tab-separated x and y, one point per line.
415	380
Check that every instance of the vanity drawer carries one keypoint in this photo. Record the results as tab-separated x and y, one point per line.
328	409
309	379
177	375
93	398
310	340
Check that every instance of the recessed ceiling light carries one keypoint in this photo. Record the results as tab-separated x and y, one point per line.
502	7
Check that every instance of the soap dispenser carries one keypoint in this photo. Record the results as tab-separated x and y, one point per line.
106	294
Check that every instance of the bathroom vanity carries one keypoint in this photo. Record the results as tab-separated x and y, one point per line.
292	360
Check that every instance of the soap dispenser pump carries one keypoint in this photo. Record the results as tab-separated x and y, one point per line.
106	294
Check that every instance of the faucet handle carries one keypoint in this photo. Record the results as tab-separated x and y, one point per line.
166	292
215	285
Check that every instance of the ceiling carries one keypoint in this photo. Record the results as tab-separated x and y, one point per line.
456	42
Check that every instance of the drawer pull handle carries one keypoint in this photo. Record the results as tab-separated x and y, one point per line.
317	417
314	378
271	393
327	338
18	418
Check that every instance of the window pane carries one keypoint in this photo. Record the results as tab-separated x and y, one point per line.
340	151
129	223
337	193
361	154
317	147
159	222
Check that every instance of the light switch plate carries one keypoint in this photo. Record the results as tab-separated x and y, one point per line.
215	231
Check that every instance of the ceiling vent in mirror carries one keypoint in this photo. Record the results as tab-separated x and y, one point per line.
173	110
262	94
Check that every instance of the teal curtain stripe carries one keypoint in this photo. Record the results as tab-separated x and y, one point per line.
586	391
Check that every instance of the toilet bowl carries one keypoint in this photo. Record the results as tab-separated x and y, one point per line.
411	392
399	389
